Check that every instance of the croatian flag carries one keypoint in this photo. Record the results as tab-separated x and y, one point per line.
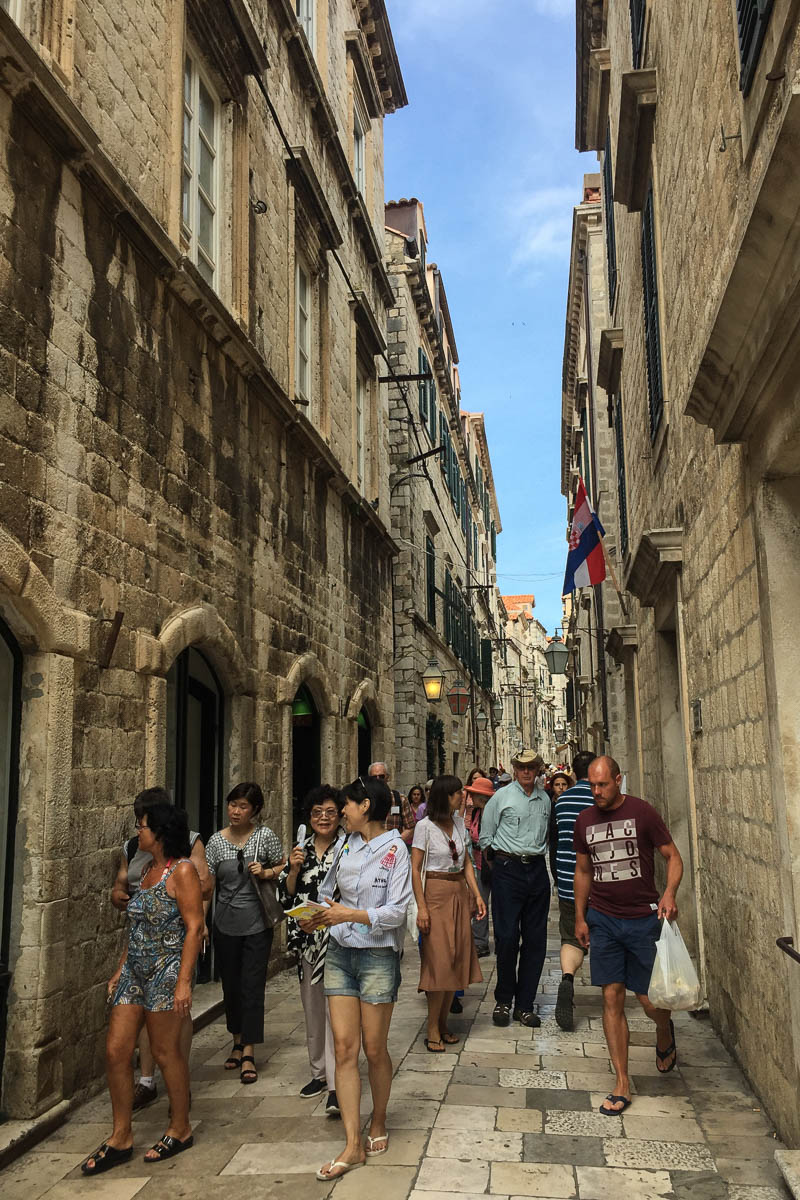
586	564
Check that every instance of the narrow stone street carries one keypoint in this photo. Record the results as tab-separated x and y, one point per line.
509	1112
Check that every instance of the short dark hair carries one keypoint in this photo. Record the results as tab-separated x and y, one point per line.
375	790
318	795
250	792
170	826
439	800
146	799
581	763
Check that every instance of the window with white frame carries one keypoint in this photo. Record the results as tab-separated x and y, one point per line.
201	170
302	332
360	127
307	16
361	402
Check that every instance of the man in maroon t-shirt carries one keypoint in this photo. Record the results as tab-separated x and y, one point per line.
614	842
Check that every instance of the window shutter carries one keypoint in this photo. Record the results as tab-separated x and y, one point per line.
430	578
448	607
432	410
422	387
638	10
608	209
494	541
622	489
655	383
486	662
752	18
443	431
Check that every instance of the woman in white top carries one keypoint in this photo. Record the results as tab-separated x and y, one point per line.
372	879
449	959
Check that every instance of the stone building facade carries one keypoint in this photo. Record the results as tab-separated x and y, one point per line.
696	119
598	683
445	520
534	701
195	555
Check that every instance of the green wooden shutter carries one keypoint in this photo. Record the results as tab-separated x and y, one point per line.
494	541
448	613
652	332
486	662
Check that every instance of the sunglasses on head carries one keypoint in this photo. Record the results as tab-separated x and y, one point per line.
453	849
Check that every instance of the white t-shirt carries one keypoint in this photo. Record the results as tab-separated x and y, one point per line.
440	856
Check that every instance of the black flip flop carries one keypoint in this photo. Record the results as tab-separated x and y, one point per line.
662	1055
168	1147
434	1042
616	1112
105	1159
250	1072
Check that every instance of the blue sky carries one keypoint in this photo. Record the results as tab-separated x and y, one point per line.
487	143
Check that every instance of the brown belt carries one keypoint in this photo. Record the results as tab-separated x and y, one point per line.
454	875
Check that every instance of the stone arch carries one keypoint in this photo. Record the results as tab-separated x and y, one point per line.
308	670
200	626
37	617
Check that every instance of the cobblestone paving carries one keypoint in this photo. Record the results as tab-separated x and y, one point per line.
508	1112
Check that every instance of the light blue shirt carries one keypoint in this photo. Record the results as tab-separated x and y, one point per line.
515	822
375	876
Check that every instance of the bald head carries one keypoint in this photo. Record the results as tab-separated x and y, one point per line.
605	779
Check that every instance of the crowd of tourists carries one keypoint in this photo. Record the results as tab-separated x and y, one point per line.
370	864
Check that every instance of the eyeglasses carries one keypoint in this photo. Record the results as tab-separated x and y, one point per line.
324	814
453	849
140	825
240	859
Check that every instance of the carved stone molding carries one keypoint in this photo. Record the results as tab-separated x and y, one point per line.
637	115
654	564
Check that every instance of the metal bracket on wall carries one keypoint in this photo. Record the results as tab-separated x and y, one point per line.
104	658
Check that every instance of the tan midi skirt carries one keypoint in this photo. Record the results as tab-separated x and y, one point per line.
449	959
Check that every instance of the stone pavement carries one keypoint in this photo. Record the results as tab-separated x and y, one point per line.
509	1112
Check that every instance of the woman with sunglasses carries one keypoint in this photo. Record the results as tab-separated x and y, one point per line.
242	940
367	892
309	863
449	961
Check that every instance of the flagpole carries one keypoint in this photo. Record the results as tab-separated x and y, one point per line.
613	575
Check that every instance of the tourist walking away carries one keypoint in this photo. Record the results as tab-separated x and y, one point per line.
238	854
444	902
133	861
514	828
153	985
619	912
481	790
298	883
368	890
566	807
400	816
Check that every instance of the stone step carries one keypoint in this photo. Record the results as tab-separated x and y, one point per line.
789	1163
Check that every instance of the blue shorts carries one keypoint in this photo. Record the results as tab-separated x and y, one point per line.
623	950
371	975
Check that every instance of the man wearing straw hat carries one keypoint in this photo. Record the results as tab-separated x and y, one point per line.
514	829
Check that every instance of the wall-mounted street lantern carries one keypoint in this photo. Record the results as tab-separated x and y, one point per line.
556	656
433	680
481	721
497	711
458	698
560	734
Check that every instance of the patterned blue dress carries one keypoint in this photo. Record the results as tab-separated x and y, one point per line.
155	944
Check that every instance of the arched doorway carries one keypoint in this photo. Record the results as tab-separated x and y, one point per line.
10	712
195	733
306	771
364	741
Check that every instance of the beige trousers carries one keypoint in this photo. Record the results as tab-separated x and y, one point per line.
319	1035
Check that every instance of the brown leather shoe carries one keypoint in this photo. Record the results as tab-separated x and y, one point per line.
142	1096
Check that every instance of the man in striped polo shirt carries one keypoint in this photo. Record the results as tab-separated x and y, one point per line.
562	865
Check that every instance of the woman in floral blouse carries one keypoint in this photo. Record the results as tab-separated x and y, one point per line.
298	883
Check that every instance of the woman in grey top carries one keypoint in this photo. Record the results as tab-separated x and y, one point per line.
242	941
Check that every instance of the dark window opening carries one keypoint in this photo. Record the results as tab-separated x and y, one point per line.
752	18
638	10
622	488
430	581
652	332
364	742
306	762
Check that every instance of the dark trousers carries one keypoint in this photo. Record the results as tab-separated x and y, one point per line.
520	904
242	963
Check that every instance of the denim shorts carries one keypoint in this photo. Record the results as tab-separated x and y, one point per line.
371	975
623	950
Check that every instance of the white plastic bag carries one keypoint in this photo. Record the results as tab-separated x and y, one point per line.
674	983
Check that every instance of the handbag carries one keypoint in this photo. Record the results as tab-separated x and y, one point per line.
413	909
271	907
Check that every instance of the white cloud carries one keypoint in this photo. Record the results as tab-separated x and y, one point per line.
541	225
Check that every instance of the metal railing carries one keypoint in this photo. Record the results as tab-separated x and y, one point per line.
786	944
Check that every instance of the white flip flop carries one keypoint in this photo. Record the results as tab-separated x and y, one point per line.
382	1137
326	1176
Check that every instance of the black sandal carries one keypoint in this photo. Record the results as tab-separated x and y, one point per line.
231	1063
105	1159
250	1072
663	1055
168	1147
